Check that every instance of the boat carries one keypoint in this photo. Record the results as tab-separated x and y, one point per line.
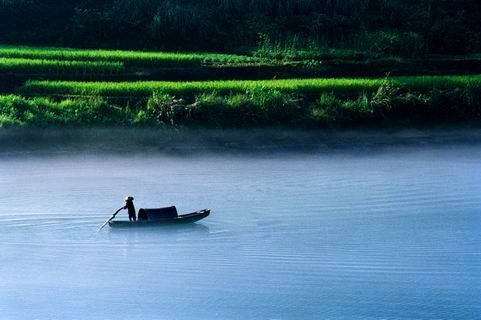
160	216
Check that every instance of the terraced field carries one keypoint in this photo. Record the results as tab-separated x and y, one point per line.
128	58
310	86
36	92
39	66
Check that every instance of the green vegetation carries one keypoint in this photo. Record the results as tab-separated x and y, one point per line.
298	48
260	106
145	89
127	58
41	112
392	26
286	63
271	61
295	102
36	66
305	86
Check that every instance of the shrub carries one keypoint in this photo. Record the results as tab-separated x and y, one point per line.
404	44
93	111
275	106
259	106
295	47
244	111
410	106
382	99
357	111
211	110
326	110
42	112
9	122
166	109
329	109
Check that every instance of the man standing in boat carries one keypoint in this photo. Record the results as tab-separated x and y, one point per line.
129	205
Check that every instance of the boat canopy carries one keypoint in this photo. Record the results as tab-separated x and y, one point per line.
157	214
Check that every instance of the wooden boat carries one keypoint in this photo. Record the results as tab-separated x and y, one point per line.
160	216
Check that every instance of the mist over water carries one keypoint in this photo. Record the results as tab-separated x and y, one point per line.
303	226
191	142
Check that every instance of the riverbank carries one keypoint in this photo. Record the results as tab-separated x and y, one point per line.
325	103
107	90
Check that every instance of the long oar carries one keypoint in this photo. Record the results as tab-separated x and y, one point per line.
110	219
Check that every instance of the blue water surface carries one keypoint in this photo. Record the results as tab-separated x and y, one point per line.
331	234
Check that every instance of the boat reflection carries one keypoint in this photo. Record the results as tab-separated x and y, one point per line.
165	229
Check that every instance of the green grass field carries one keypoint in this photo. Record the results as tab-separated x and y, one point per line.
38	66
214	103
144	89
128	58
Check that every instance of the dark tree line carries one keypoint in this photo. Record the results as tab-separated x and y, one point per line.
445	26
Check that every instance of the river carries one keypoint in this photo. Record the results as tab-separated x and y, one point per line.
352	232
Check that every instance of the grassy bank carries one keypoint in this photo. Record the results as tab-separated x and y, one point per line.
258	106
292	102
300	86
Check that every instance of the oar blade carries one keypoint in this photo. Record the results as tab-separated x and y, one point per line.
109	219
105	223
